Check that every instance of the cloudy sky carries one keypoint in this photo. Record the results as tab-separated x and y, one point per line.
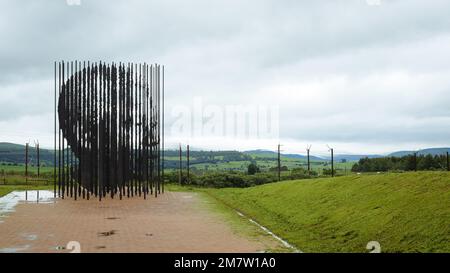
363	76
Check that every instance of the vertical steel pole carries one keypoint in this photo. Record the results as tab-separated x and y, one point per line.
59	130
54	143
152	135
100	131
158	80
74	79
163	179
140	131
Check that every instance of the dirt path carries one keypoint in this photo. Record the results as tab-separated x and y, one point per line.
173	222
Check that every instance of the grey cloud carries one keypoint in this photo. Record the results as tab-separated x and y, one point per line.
231	52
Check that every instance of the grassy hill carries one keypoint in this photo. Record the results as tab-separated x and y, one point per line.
431	151
273	155
407	212
15	153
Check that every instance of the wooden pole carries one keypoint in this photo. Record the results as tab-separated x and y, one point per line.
26	163
279	164
332	162
26	170
309	165
38	161
180	175
187	163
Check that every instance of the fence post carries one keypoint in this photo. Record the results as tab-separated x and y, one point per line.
309	164
279	164
187	164
180	175
26	163
26	171
332	162
38	162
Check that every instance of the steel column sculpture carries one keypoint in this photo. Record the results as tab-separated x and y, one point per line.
108	142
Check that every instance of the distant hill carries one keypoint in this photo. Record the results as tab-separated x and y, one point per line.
272	154
261	153
338	157
431	151
15	153
354	157
6	146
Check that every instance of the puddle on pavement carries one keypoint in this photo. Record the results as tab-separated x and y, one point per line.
30	237
14	249
9	201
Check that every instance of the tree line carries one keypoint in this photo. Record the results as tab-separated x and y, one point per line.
222	179
404	163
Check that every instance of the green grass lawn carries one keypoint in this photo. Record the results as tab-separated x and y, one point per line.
13	182
21	169
265	165
404	212
5	189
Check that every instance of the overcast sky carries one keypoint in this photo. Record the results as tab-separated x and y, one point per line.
360	77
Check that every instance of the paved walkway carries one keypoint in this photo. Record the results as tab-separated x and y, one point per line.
173	222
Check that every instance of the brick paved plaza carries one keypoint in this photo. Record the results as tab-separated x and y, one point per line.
173	222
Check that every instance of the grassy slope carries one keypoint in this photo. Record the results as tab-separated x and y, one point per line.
407	212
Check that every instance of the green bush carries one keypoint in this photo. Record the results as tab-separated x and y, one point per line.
221	179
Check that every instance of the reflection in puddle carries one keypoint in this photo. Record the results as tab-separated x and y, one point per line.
9	201
14	249
30	237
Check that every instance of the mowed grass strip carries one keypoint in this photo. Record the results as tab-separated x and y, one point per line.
404	212
5	189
